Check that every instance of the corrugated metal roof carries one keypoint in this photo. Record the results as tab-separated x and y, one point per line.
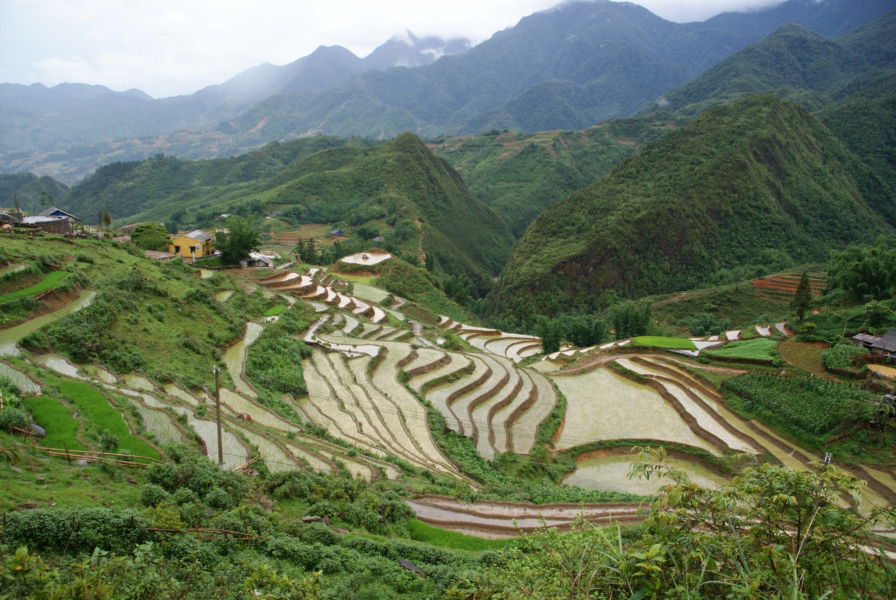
199	235
888	342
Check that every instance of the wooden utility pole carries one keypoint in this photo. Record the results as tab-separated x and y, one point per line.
217	373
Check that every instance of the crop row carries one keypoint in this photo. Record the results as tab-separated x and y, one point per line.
487	398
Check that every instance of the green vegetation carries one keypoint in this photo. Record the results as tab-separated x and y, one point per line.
274	310
274	361
104	419
57	421
150	236
760	349
30	192
653	341
643	228
49	282
241	238
810	406
729	543
156	317
842	356
445	538
519	175
398	187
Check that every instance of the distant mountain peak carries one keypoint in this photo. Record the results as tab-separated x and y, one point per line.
404	49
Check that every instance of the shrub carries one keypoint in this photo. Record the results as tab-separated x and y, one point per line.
84	258
79	529
842	355
14	417
153	495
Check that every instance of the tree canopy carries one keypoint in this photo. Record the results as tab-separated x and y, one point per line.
150	236
241	238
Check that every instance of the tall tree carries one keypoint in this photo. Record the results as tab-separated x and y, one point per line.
241	238
150	236
802	299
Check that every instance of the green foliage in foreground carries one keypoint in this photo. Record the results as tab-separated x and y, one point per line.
755	349
812	406
770	534
668	343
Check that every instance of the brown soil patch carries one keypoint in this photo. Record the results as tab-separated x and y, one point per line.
805	356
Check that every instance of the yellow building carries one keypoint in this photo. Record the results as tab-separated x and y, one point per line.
194	244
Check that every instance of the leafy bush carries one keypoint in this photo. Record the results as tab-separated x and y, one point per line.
13	417
842	355
77	529
152	495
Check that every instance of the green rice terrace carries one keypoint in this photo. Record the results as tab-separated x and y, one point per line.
450	441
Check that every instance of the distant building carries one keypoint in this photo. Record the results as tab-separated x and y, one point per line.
57	212
885	344
194	244
52	220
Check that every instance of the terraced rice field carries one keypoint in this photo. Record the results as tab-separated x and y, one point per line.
374	412
783	286
510	519
602	405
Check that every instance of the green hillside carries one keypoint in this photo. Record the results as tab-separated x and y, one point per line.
745	183
519	175
32	192
793	62
397	188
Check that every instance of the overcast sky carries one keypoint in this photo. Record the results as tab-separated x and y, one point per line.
169	47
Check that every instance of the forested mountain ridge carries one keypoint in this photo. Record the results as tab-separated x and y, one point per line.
396	187
569	67
705	203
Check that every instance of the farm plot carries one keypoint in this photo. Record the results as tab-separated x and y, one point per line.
404	433
452	363
443	397
691	401
328	410
511	519
759	349
57	420
235	357
412	412
524	420
602	405
19	379
464	406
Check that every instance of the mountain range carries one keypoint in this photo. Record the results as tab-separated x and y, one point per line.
566	68
755	181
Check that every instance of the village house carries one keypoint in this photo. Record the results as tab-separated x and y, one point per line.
194	244
885	344
52	220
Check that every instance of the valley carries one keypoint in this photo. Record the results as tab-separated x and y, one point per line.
603	306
